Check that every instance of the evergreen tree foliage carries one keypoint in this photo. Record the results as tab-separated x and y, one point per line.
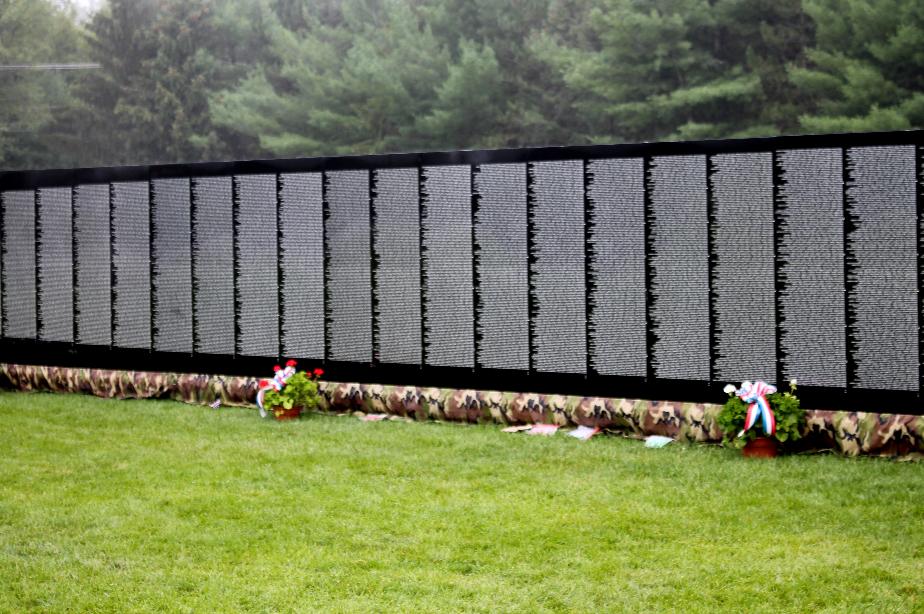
114	96
356	86
36	106
469	108
187	80
150	101
686	69
866	69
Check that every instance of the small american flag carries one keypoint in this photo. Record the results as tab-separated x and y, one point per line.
216	404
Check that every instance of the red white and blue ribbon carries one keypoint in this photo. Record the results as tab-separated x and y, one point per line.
264	386
277	383
756	395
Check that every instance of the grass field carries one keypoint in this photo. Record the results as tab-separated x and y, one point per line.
156	506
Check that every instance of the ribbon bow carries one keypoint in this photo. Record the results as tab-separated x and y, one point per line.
756	395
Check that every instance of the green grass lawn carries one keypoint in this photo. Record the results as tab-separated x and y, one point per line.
156	506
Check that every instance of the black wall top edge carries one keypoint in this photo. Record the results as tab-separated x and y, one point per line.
31	179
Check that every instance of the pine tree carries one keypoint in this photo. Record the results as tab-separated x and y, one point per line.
161	59
36	106
470	107
536	106
688	69
120	43
354	87
866	69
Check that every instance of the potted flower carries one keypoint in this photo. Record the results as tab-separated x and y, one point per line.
289	393
781	419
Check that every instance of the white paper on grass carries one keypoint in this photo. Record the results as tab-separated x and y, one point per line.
543	429
657	441
584	432
517	429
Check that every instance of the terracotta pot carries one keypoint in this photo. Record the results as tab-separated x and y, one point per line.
287	414
762	447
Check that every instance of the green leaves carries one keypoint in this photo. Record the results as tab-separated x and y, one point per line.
469	107
866	66
359	86
185	80
37	106
300	391
790	419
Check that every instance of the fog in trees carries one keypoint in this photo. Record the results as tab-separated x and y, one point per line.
193	80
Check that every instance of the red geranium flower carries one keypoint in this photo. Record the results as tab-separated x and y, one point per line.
263	383
277	368
291	363
318	372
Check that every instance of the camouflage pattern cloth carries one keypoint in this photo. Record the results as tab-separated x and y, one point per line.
850	433
198	389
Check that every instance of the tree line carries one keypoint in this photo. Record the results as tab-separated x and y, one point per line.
191	80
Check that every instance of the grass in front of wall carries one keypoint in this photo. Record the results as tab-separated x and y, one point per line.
156	506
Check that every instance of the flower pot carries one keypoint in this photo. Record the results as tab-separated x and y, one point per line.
762	447
282	413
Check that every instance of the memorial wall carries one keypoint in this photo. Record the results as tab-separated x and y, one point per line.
665	269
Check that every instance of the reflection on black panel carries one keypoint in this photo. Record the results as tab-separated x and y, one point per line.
213	265
811	258
805	261
171	265
446	204
349	273
19	308
94	276
500	238
397	257
882	246
558	284
680	271
131	262
302	250
745	305
257	266
55	265
616	220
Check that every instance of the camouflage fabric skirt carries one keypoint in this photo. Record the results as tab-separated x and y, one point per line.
851	433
